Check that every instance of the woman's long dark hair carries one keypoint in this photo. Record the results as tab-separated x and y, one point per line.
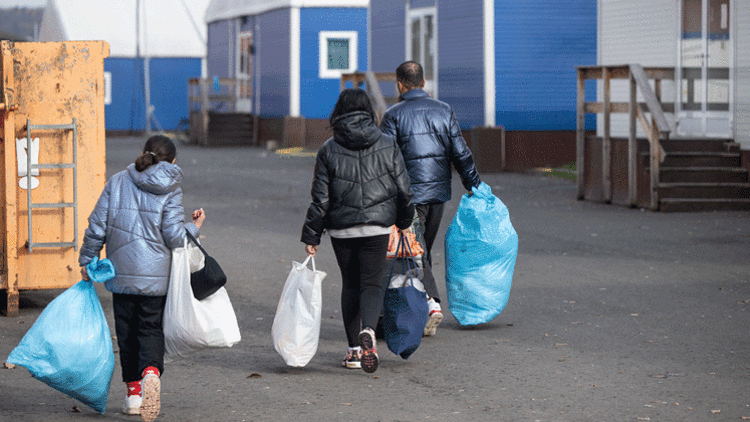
352	99
157	148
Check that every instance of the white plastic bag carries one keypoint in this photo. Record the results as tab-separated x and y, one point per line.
296	326
413	276
189	324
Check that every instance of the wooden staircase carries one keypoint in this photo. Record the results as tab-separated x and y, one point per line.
661	172
701	175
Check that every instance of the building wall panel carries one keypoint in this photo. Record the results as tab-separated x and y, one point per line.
274	62
461	59
387	32
220	50
318	96
742	74
537	46
637	31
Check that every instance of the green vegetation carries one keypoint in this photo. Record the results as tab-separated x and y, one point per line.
567	171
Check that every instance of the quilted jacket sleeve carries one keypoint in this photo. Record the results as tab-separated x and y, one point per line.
173	222
388	125
404	202
460	156
318	210
96	232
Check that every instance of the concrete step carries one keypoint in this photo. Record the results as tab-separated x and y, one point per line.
704	190
703	204
703	174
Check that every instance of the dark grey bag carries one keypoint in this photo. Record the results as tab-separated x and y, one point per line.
208	279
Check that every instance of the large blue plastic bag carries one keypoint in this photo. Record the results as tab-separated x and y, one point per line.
69	347
481	246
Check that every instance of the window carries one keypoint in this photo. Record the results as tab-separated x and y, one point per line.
338	53
421	44
107	88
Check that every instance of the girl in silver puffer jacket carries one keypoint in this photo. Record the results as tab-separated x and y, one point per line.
139	216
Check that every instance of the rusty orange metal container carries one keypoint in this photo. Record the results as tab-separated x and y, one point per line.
53	92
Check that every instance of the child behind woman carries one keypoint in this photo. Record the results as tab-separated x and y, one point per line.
140	217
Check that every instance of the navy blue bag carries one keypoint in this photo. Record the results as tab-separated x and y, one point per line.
69	347
405	311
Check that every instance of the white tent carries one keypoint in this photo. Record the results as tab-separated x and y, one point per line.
168	28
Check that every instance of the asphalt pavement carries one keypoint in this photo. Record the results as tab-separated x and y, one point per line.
615	314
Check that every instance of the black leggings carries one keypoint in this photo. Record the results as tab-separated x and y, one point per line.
140	333
361	260
430	216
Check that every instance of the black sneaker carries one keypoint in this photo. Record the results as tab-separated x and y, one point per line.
351	361
369	350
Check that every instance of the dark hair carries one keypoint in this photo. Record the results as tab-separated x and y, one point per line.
157	148
410	74
352	99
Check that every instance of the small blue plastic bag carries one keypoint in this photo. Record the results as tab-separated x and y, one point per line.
69	347
481	246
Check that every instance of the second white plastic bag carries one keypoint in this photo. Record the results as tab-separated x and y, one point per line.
296	326
189	324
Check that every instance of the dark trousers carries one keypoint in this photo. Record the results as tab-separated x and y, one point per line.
430	216
140	334
361	260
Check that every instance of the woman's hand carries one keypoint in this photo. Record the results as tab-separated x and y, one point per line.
311	249
84	273
404	231
198	217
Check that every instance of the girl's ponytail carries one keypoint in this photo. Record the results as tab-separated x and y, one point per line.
146	160
157	148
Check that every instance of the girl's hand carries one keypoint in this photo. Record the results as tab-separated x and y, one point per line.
311	249
84	273
198	217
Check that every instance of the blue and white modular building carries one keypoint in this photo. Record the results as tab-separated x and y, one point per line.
497	62
291	53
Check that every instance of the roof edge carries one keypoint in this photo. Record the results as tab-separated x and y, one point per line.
219	9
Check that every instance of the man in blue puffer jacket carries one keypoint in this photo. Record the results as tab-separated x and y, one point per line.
429	136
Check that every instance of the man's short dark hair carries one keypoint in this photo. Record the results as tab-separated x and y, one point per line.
410	74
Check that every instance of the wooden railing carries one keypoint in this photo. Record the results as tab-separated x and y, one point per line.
372	80
219	95
656	127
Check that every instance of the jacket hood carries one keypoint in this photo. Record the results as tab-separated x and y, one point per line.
355	131
161	178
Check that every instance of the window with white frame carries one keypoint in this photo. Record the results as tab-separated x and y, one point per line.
338	53
421	43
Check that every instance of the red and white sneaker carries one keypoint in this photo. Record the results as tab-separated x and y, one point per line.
133	400
151	386
352	359
369	358
434	319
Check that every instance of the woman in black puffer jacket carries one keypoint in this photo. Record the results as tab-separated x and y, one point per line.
360	189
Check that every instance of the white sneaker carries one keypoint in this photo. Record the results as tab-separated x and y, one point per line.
435	318
132	405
